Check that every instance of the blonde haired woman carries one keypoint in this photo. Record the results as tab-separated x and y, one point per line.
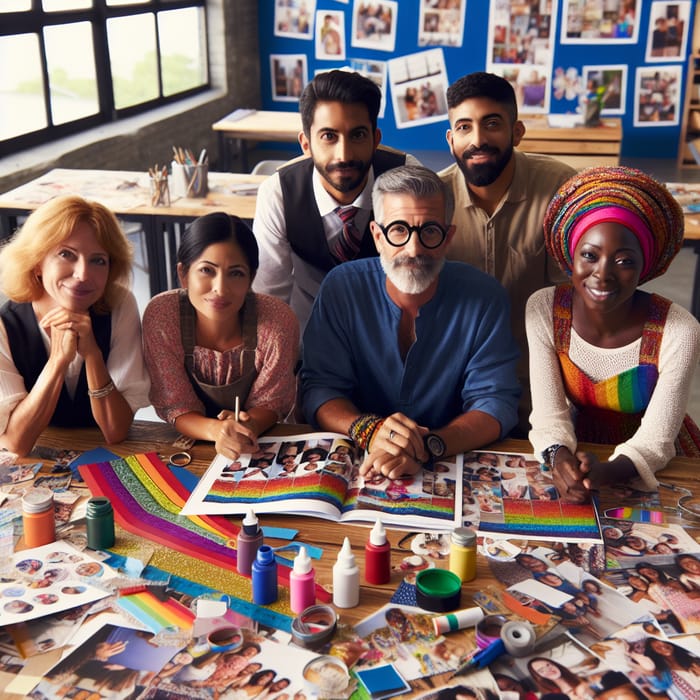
70	334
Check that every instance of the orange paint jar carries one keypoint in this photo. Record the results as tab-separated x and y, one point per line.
38	517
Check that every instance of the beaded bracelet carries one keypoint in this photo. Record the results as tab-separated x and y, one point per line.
362	429
106	390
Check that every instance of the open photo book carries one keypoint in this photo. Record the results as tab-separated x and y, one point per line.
317	474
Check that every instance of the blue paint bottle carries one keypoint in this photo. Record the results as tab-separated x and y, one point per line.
264	576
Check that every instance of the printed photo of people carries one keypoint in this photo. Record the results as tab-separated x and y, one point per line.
602	22
441	22
330	35
668	31
294	18
374	25
289	76
418	84
657	96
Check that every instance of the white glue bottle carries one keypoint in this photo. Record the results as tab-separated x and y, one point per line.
346	578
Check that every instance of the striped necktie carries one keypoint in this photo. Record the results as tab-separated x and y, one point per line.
348	244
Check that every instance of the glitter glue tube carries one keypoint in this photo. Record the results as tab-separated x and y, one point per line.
38	517
457	620
463	553
264	575
250	538
346	578
99	520
302	586
377	556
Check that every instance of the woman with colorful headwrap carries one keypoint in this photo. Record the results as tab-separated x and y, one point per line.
609	362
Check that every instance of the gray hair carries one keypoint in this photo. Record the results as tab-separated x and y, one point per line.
413	180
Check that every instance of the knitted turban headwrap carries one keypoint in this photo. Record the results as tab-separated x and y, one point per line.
624	195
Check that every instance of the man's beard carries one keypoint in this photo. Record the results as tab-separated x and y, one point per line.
483	174
346	184
412	275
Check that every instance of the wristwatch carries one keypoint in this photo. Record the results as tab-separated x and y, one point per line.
549	454
435	445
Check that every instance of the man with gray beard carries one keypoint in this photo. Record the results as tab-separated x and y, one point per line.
410	355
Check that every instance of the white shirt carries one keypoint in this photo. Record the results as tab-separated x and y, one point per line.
652	445
125	363
277	273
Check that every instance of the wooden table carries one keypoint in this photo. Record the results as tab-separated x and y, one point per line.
578	145
146	436
261	125
692	238
127	194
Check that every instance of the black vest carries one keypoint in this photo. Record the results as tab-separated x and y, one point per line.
303	221
30	358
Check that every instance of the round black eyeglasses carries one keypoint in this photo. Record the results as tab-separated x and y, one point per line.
398	233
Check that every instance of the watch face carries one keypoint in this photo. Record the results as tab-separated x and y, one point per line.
435	445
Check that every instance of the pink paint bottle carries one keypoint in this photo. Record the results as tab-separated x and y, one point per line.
302	584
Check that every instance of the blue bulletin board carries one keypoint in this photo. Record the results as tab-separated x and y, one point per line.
554	61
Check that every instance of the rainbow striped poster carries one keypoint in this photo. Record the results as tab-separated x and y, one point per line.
513	496
318	474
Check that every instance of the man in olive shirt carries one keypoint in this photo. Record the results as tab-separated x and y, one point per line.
500	199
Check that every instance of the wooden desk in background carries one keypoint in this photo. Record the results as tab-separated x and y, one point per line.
151	436
692	239
127	194
577	145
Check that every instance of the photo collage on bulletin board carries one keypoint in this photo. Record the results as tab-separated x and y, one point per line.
522	38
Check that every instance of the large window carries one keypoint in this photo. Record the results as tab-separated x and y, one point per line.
66	65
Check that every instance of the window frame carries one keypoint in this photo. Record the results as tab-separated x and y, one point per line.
34	20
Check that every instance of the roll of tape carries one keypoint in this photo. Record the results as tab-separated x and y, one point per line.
489	630
314	626
225	639
518	638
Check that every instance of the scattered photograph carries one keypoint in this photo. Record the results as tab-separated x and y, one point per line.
288	76
441	22
612	21
668	31
293	18
418	85
330	35
657	96
609	84
374	25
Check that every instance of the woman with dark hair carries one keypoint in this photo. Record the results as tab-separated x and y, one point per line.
215	341
552	677
70	333
672	669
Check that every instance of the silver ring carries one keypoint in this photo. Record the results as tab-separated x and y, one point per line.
391	434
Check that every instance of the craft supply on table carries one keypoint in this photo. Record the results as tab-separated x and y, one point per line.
346	578
302	585
463	553
190	175
160	190
225	639
438	590
314	626
457	620
489	629
249	540
179	459
99	520
377	555
264	576
519	638
38	519
326	676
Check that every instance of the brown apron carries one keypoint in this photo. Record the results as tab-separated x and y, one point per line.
217	398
